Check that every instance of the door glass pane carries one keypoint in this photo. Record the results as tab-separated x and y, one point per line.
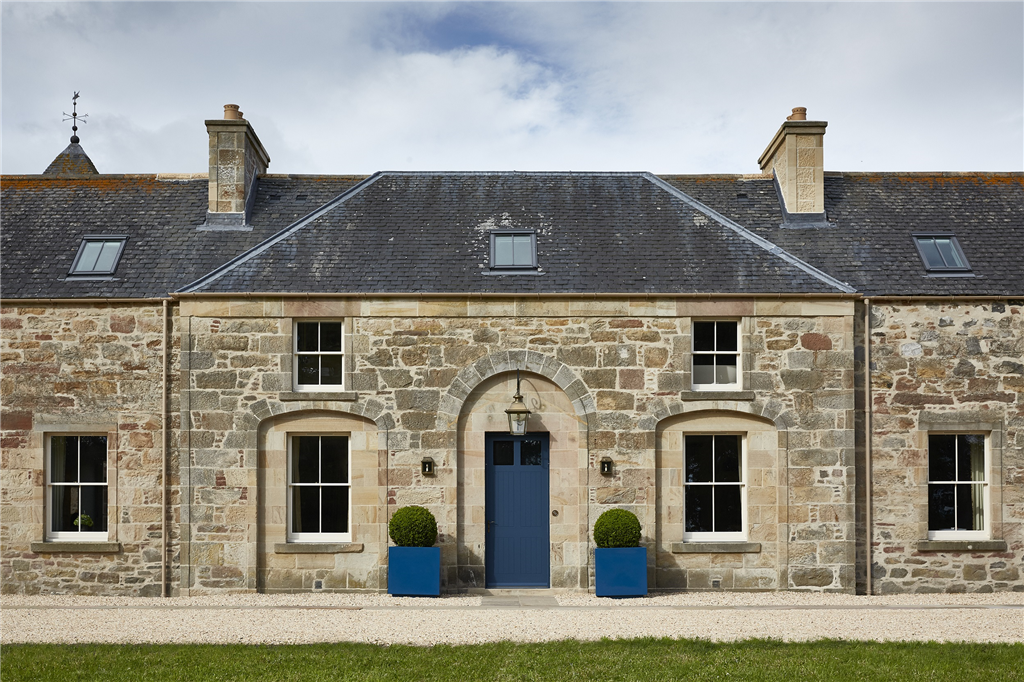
941	499
93	458
504	452
529	453
306	509
728	513
727	459
93	515
523	252
305	459
949	254
307	333
697	508
503	252
941	458
335	509
703	336
725	336
703	369
699	466
330	370
725	370
64	459
309	369
333	459
65	507
330	336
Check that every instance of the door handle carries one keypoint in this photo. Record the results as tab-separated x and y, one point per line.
489	524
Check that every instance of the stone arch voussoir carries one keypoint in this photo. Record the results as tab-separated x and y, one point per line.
507	361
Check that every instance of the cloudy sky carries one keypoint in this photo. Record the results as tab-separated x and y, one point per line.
666	87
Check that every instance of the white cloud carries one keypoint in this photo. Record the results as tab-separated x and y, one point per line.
353	88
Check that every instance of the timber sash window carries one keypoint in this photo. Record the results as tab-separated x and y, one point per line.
716	356
957	486
319	356
714	493
76	482
318	489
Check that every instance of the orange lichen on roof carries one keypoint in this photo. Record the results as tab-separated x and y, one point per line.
949	178
102	183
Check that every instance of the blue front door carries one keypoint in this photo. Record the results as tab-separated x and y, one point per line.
517	545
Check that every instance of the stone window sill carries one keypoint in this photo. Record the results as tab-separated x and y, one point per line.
716	547
961	545
317	547
716	395
346	396
76	547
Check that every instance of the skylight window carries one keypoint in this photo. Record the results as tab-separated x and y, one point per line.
941	253
98	255
514	250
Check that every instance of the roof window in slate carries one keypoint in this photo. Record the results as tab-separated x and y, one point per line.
941	253
513	250
98	255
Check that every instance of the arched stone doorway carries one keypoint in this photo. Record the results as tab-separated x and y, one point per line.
554	414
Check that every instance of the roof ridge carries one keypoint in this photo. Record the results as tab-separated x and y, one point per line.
283	234
750	236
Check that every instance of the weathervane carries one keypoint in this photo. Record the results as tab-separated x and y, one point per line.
73	116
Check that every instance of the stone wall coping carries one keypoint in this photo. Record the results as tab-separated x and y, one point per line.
317	547
961	545
716	395
76	547
346	396
716	547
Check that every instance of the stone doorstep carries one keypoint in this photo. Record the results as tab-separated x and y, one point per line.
76	547
961	545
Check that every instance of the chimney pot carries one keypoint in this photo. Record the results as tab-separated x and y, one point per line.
799	114
231	112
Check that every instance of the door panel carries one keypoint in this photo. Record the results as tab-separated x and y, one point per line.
518	534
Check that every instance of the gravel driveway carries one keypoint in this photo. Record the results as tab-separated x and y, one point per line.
526	616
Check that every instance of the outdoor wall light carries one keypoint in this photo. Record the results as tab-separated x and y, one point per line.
606	466
427	466
517	413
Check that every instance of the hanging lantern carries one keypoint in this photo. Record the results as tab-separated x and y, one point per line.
517	413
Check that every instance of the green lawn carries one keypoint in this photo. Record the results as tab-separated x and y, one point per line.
641	659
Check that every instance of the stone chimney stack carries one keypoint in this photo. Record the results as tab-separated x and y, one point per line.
796	159
237	158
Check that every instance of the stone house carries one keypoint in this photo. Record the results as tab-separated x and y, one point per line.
227	382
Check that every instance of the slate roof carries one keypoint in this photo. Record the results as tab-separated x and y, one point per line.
45	217
428	232
596	233
72	161
875	216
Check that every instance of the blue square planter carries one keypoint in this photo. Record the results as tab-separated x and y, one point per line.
414	571
620	571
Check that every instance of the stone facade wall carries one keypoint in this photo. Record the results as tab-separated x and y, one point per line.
622	367
73	369
952	368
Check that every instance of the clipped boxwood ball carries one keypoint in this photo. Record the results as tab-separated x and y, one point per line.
617	528
413	527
